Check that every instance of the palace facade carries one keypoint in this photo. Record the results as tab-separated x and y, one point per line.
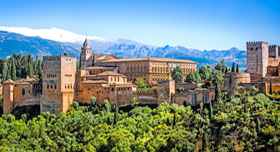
105	77
151	70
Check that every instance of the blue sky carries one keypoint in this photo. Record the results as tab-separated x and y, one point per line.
200	24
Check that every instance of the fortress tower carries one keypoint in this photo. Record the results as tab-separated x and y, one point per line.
58	83
8	96
257	58
86	53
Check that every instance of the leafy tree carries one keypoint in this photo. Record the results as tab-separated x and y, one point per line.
193	77
180	89
140	82
177	74
190	77
107	105
221	66
75	105
93	100
197	77
218	82
205	72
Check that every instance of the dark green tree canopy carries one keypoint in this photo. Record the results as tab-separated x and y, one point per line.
177	75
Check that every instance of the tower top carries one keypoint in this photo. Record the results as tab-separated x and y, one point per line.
86	44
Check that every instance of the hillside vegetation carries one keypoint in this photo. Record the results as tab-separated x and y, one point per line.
244	122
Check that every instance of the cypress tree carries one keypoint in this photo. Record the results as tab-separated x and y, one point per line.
14	72
40	69
174	119
9	71
80	62
36	65
270	88
116	115
93	60
233	67
237	68
211	110
31	73
4	71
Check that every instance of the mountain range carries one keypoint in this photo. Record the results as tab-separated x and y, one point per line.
57	41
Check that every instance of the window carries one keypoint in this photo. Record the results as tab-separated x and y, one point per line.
23	92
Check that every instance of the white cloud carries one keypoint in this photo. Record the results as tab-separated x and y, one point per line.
55	34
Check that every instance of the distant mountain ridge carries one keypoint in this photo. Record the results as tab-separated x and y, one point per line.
11	43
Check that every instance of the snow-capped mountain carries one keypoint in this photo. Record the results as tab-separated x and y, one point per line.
54	34
57	41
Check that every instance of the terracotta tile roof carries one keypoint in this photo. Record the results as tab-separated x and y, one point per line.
9	82
102	57
110	73
150	59
95	81
100	67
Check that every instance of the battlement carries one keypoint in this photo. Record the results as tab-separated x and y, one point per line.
272	46
255	43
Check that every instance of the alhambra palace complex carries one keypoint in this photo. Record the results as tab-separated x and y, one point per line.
111	78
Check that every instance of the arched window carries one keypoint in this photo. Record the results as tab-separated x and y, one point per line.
23	92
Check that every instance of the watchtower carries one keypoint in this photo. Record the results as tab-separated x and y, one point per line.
86	52
58	83
257	57
8	96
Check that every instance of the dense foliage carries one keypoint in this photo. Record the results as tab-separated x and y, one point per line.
177	74
140	82
18	66
244	122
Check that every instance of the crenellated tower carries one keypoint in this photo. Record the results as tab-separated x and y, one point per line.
86	52
257	58
58	83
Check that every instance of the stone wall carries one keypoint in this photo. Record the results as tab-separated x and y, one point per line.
194	97
259	85
186	86
232	80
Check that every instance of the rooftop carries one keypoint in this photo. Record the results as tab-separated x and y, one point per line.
100	67
9	81
110	73
150	59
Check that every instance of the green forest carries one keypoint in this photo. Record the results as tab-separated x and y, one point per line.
246	121
243	122
19	66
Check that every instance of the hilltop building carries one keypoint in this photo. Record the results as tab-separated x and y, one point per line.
263	69
151	70
105	77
